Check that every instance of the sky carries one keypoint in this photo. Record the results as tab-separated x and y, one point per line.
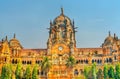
28	19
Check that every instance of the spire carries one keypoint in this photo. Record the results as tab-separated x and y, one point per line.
109	33
62	12
14	35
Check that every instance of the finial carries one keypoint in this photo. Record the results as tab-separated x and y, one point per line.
50	23
2	40
73	22
114	35
6	38
62	12
14	35
109	33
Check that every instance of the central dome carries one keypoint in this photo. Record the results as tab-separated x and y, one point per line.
62	18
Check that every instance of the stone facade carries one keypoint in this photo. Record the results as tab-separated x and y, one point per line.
60	45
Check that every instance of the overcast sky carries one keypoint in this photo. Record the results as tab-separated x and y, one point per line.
30	18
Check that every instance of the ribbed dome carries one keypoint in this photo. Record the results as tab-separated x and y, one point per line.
109	40
14	39
14	42
62	18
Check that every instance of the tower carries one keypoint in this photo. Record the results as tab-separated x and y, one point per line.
15	46
61	34
61	43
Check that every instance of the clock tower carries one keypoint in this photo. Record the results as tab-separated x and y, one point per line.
61	44
61	35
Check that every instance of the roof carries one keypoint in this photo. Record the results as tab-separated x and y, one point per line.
34	50
87	50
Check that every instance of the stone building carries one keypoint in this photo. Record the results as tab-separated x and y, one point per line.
60	45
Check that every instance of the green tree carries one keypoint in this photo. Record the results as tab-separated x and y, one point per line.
18	71
45	66
117	68
34	73
6	71
28	73
111	72
86	72
3	72
70	62
100	74
94	71
105	71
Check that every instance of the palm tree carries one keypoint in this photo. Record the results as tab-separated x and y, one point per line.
70	62
45	65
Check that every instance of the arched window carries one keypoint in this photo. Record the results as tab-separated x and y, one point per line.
38	72
86	61
5	59
30	62
82	61
92	61
115	58
27	62
98	61
77	62
110	60
22	62
12	61
36	61
42	73
107	60
76	72
15	61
